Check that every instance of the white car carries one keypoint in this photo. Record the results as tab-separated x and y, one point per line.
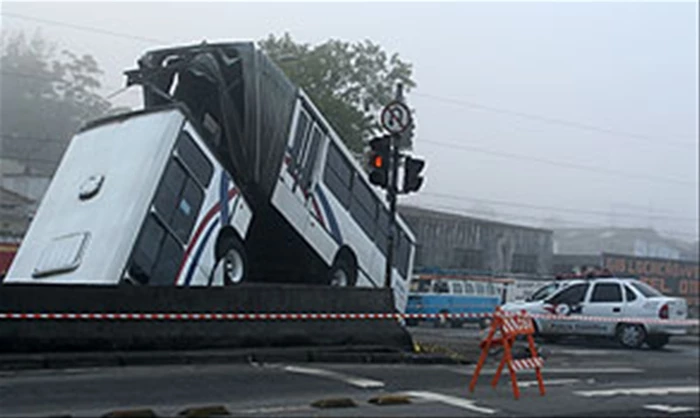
630	300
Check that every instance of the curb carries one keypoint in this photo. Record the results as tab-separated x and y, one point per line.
37	361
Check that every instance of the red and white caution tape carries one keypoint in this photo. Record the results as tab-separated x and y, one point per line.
318	316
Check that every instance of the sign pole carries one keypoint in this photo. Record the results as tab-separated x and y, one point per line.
395	118
391	195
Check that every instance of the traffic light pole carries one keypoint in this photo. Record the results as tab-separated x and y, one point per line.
392	191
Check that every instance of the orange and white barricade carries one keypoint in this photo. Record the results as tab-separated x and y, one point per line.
505	328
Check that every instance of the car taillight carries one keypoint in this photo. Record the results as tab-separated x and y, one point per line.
663	312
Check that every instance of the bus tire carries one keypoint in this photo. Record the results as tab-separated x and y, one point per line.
233	255
343	272
441	320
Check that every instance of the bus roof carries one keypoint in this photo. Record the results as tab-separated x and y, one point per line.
464	278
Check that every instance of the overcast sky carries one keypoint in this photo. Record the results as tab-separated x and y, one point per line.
577	107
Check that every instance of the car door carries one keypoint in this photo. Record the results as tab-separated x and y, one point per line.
564	303
605	300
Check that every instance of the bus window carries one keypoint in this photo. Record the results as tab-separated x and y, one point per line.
424	286
469	288
338	174
491	289
363	205
440	286
299	136
480	289
457	288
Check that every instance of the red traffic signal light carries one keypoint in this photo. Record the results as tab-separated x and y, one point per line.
379	160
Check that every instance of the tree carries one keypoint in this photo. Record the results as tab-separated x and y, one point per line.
46	96
350	83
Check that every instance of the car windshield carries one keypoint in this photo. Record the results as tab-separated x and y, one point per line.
543	292
646	290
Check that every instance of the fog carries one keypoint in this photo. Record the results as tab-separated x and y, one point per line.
541	114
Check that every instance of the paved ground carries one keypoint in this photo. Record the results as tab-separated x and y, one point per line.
581	380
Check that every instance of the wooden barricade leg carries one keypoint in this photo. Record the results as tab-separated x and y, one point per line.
499	370
483	356
508	358
497	376
538	371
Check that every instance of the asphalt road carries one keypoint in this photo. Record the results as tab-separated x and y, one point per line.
581	380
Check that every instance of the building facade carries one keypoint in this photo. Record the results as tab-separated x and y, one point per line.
451	241
637	242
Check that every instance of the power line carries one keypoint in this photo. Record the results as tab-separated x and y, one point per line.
556	121
83	28
570	165
556	208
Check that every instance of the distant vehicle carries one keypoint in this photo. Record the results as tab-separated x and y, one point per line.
608	297
229	174
432	294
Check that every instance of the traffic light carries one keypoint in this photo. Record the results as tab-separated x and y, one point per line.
411	179
380	160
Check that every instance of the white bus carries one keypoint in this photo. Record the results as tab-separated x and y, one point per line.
229	174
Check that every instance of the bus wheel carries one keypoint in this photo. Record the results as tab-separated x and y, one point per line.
440	321
342	273
234	261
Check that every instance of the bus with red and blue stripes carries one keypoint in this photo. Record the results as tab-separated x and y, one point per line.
228	174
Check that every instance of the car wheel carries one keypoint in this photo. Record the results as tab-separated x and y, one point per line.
342	273
657	342
631	335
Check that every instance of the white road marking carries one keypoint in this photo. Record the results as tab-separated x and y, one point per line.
360	382
449	400
673	390
584	352
551	382
669	408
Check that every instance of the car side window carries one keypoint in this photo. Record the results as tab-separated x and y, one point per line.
572	295
606	292
629	294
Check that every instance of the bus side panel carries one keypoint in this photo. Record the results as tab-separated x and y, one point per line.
224	205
